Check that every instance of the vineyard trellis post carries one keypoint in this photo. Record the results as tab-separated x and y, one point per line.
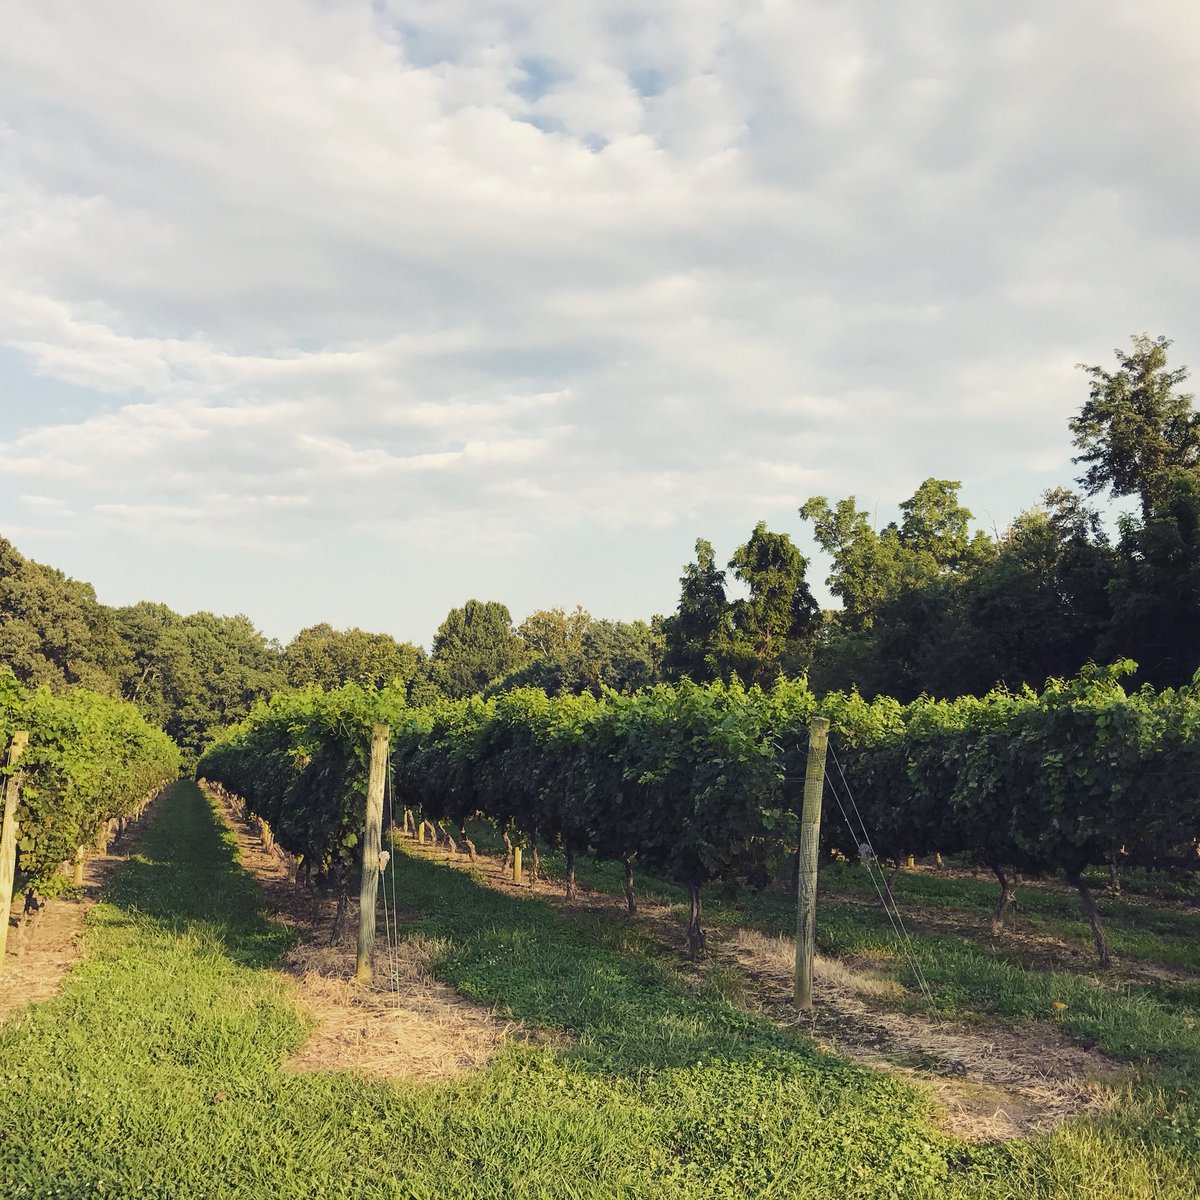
810	836
8	837
372	844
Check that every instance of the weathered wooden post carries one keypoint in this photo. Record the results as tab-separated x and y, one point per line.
8	837
371	847
810	837
516	864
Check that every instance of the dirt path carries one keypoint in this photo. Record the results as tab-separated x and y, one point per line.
39	957
403	1024
990	1083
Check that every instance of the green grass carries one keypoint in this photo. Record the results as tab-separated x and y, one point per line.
659	1090
1155	1027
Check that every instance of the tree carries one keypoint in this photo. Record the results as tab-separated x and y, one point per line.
475	646
1135	428
1156	594
697	634
621	655
554	632
774	627
1038	610
330	657
901	591
195	675
53	630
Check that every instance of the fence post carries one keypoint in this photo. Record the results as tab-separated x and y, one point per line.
810	837
372	843
8	838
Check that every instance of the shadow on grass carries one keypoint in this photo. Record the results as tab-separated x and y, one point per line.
186	879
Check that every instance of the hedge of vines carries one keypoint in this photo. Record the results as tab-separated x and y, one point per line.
698	783
91	760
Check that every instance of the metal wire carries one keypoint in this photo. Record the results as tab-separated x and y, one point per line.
883	890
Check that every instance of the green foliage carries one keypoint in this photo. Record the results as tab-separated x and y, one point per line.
475	646
90	759
587	655
1136	429
775	625
53	630
329	657
697	634
197	674
1156	594
699	782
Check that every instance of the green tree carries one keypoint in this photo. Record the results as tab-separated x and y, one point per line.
1156	594
901	590
53	630
621	655
331	657
194	675
1039	608
774	627
475	646
697	635
554	632
1136	428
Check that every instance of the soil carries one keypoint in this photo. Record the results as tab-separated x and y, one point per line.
40	955
404	1023
989	1084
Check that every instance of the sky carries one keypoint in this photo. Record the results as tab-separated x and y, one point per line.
349	312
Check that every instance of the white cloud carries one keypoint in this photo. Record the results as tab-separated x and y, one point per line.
506	275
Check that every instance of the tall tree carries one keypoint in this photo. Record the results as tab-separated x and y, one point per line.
775	625
554	631
901	589
1136	429
1156	595
475	646
53	630
331	657
1039	608
697	634
194	675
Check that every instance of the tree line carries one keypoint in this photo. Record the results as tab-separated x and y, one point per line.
929	605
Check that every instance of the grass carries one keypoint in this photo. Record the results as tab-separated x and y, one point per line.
157	1072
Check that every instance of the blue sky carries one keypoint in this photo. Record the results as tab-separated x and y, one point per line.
350	312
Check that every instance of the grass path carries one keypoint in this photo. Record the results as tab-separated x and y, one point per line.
157	1072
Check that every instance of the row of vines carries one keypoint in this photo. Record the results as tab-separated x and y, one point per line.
91	761
700	783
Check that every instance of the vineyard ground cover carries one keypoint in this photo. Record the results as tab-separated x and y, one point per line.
1144	1018
159	1071
404	1024
36	966
1019	1023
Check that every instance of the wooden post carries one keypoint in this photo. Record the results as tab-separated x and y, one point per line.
371	846
516	864
810	836
80	857
8	838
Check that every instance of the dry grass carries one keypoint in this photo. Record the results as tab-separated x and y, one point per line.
40	955
778	956
403	1024
993	1084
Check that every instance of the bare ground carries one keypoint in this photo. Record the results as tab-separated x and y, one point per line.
990	1084
404	1024
40	955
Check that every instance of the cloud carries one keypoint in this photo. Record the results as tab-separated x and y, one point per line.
492	279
